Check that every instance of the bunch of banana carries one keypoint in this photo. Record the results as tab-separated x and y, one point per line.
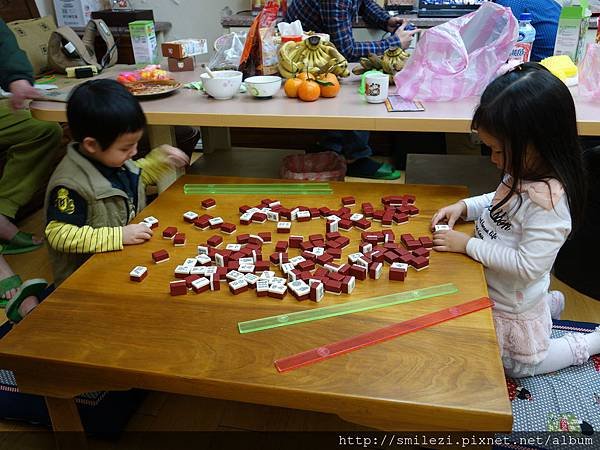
391	62
311	55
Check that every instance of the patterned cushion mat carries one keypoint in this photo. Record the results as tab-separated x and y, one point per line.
9	384
567	401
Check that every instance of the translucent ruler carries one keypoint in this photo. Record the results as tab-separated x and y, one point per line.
266	189
383	334
345	308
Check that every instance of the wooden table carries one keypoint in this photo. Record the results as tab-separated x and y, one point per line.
99	331
348	111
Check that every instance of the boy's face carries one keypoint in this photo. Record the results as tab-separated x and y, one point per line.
121	150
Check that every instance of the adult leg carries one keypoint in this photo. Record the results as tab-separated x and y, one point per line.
29	302
7	273
354	146
29	145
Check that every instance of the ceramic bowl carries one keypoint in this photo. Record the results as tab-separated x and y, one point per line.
224	85
263	86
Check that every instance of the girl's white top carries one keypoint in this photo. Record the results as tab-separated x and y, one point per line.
518	244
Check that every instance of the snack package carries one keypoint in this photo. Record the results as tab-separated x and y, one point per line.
260	51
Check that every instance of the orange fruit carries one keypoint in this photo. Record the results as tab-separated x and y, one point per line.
291	87
305	76
329	91
309	91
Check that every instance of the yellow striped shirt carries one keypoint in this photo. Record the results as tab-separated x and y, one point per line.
68	238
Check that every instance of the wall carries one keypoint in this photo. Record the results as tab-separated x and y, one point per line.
190	18
45	7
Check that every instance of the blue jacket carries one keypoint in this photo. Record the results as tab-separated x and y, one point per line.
545	21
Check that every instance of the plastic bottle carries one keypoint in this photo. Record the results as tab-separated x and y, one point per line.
522	49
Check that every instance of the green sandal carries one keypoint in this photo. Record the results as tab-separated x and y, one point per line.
369	168
30	288
387	172
8	284
21	242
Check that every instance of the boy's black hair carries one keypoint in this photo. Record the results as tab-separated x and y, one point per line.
530	106
103	110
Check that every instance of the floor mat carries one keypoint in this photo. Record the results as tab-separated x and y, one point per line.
566	401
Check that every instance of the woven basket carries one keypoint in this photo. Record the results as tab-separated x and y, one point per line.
324	166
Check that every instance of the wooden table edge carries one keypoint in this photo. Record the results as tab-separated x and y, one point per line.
82	379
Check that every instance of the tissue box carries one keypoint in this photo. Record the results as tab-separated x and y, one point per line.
572	27
75	13
183	48
143	41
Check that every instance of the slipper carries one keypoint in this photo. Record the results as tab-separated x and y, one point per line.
7	284
369	168
30	288
20	243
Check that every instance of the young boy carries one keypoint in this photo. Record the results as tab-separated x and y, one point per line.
97	189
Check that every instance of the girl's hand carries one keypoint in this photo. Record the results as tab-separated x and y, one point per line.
449	214
450	241
173	156
136	234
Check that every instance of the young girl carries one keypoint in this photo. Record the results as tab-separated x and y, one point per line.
527	118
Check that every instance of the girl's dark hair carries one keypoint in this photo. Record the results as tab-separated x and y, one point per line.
103	110
531	107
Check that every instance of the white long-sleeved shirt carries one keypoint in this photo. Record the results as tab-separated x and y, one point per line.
517	248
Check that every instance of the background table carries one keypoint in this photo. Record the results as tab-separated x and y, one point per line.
348	111
99	331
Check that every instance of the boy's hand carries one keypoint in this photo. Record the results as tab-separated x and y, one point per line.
449	214
450	241
173	156
136	234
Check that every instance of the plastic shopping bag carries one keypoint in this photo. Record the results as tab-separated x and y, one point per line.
459	58
589	72
228	51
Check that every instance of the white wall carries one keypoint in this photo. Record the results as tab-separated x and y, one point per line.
190	18
45	7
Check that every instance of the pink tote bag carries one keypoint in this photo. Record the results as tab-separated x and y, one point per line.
589	73
459	58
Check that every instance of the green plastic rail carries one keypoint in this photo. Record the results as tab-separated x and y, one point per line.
284	320
270	189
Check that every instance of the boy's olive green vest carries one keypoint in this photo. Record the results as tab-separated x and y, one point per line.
106	206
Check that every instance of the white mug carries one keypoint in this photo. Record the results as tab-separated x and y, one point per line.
376	87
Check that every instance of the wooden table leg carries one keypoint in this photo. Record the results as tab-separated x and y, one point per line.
159	135
215	139
66	423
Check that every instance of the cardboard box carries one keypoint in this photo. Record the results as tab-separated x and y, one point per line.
181	65
76	13
183	48
572	27
143	41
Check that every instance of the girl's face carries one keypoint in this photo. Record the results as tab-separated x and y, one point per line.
496	146
500	156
